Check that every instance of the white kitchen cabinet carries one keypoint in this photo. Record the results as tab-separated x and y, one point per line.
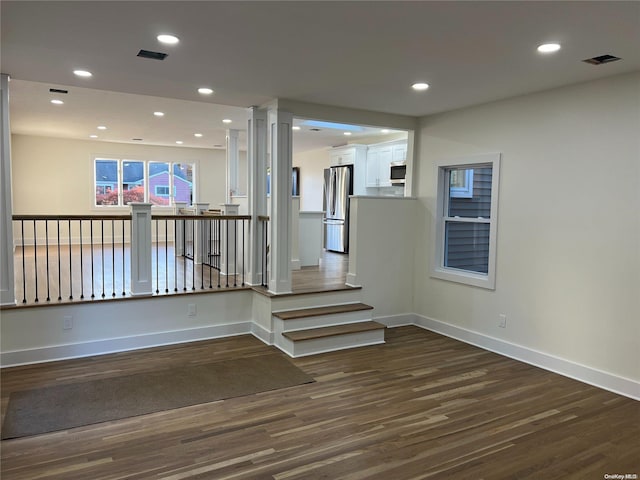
355	155
379	159
343	157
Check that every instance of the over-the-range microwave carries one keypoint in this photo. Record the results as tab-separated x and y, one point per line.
397	173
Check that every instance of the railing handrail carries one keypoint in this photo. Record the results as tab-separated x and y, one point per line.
263	218
128	217
70	217
200	217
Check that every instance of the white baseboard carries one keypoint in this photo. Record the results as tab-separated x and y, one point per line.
400	320
262	333
608	381
113	345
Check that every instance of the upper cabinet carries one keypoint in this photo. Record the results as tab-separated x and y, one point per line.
355	155
379	159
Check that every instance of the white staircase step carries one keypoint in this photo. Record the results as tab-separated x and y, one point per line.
312	341
323	316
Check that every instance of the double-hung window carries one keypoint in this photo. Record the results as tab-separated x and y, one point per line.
466	220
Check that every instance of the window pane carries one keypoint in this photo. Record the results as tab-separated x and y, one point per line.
106	182
470	192
467	246
159	184
183	182
132	181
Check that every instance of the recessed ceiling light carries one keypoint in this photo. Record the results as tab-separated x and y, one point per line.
347	133
205	91
159	114
295	127
384	130
420	86
93	136
168	39
55	101
179	142
101	127
226	120
549	47
197	135
82	73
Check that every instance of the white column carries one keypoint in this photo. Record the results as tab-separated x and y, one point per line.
141	249
7	291
178	244
200	235
257	192
229	252
233	161
295	233
280	124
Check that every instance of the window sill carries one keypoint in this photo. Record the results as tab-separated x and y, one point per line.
465	277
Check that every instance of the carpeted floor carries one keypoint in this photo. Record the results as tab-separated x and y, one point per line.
49	409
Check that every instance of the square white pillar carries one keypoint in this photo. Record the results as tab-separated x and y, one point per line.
141	249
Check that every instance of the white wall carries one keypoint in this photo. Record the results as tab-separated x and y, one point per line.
312	164
103	326
55	176
568	253
382	243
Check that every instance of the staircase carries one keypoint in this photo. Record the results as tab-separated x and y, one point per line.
325	327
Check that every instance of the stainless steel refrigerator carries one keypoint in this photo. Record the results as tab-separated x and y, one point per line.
338	185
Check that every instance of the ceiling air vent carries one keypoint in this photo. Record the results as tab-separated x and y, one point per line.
152	55
58	90
601	59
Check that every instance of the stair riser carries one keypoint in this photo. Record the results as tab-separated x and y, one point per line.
330	344
280	325
322	299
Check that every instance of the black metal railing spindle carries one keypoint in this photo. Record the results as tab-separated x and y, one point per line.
175	255
59	264
202	252
81	267
123	263
157	261
46	240
93	295
70	266
24	270
235	253
243	252
193	255
35	257
184	257
166	256
113	259
102	253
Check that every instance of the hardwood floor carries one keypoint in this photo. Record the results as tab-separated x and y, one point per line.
420	406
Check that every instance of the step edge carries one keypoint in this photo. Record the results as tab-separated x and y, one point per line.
374	326
308	312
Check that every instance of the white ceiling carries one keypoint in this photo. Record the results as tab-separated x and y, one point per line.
357	54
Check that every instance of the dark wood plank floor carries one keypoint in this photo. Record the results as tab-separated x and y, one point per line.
421	406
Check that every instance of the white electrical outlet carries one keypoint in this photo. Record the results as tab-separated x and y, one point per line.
191	310
503	320
67	322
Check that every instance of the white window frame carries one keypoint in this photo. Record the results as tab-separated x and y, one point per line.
438	269
120	166
168	194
